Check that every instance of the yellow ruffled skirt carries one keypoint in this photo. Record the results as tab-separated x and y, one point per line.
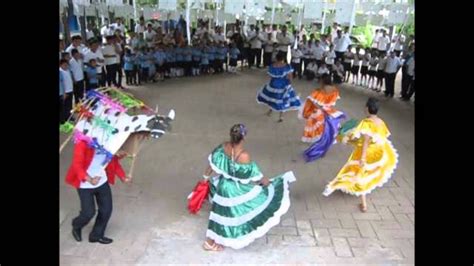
381	161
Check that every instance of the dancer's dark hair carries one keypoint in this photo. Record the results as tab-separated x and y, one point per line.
372	105
237	133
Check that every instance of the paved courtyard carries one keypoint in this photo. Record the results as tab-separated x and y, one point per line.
150	223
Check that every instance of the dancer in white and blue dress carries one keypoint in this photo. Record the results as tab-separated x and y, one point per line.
278	94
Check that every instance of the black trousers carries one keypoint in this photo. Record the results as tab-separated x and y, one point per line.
339	55
112	74
267	59
78	90
285	56
297	69
102	77
257	54
103	196
406	79
119	75
67	106
390	84
144	72
61	110
128	76
411	89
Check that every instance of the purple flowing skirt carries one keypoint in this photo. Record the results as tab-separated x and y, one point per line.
320	147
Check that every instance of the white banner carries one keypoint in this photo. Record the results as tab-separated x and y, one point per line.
376	20
234	6
396	18
313	9
167	4
344	11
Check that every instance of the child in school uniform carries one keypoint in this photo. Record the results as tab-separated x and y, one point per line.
268	50
77	70
348	56
364	70
311	70
221	55
211	53
329	57
296	55
188	59
338	72
234	56
356	66
92	78
205	60
373	62
160	58
322	70
171	59
179	60
68	85
144	65
197	51
381	72
138	69
128	66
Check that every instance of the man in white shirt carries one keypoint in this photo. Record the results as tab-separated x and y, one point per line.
334	30
95	52
111	62
105	30
318	53
90	32
376	39
383	43
77	69
391	68
149	36
76	44
256	38
140	27
398	41
340	44
118	25
284	40
219	36
68	85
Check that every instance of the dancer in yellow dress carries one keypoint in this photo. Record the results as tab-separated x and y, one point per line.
373	160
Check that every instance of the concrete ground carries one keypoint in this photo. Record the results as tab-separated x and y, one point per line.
150	223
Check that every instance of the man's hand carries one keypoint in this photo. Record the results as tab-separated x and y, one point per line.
93	180
128	179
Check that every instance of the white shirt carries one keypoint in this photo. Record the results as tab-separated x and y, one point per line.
348	56
284	41
341	44
120	27
296	56
149	36
89	34
268	46
96	55
105	31
411	66
323	70
77	69
330	56
339	69
256	43
318	52
67	80
373	63
383	43
357	59
365	59
219	37
139	28
392	65
95	170
334	33
312	67
109	49
81	49
399	40
376	40
382	64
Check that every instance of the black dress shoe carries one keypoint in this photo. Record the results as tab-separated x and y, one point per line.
102	240
76	233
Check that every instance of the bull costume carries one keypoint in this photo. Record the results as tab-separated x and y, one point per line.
110	125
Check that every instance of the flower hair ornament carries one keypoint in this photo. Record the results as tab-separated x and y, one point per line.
243	130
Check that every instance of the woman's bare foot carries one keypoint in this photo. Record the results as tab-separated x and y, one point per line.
212	247
269	113
362	207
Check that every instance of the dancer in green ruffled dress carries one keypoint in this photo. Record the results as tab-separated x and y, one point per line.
245	204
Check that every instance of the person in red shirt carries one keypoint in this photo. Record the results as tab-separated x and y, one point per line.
91	179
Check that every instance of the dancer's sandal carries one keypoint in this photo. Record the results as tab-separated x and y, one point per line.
214	247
